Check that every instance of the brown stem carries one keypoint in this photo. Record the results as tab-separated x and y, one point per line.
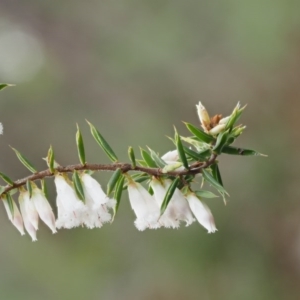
125	167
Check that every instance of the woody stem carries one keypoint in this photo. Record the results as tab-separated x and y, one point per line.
194	169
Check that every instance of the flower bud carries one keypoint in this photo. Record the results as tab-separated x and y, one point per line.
171	156
203	116
217	129
224	120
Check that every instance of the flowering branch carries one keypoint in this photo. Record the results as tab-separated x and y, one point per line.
169	200
194	169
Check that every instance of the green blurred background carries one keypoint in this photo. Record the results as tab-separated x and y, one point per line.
135	68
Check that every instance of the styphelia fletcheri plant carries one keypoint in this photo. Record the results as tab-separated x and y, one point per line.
159	188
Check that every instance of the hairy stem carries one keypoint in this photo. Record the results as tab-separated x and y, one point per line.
194	169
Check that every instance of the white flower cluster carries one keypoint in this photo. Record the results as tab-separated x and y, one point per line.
180	208
94	211
72	212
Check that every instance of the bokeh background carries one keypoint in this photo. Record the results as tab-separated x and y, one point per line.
135	68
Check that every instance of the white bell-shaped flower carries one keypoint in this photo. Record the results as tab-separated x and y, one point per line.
201	212
31	212
97	203
178	208
144	206
171	156
43	208
16	217
71	210
28	225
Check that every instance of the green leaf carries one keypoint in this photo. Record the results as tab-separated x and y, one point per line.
201	156
50	160
240	151
169	194
150	190
234	116
189	178
80	146
200	146
221	142
210	179
132	157
180	150
6	179
2	189
24	161
44	188
118	194
113	180
103	143
13	191
4	85
201	135
205	194
171	167
29	188
78	186
10	203
216	173
148	159
142	163
140	177
156	158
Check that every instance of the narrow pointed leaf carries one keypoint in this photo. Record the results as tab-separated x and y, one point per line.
50	160
2	188
216	173
205	194
157	159
25	161
45	188
141	177
180	150
234	116
171	167
132	157
200	146
201	135
221	142
210	179
80	146
6	179
150	190
240	151
189	178
4	85
169	195
103	143
29	188
78	186
13	191
201	156
10	203
141	162
113	180
118	194
148	159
